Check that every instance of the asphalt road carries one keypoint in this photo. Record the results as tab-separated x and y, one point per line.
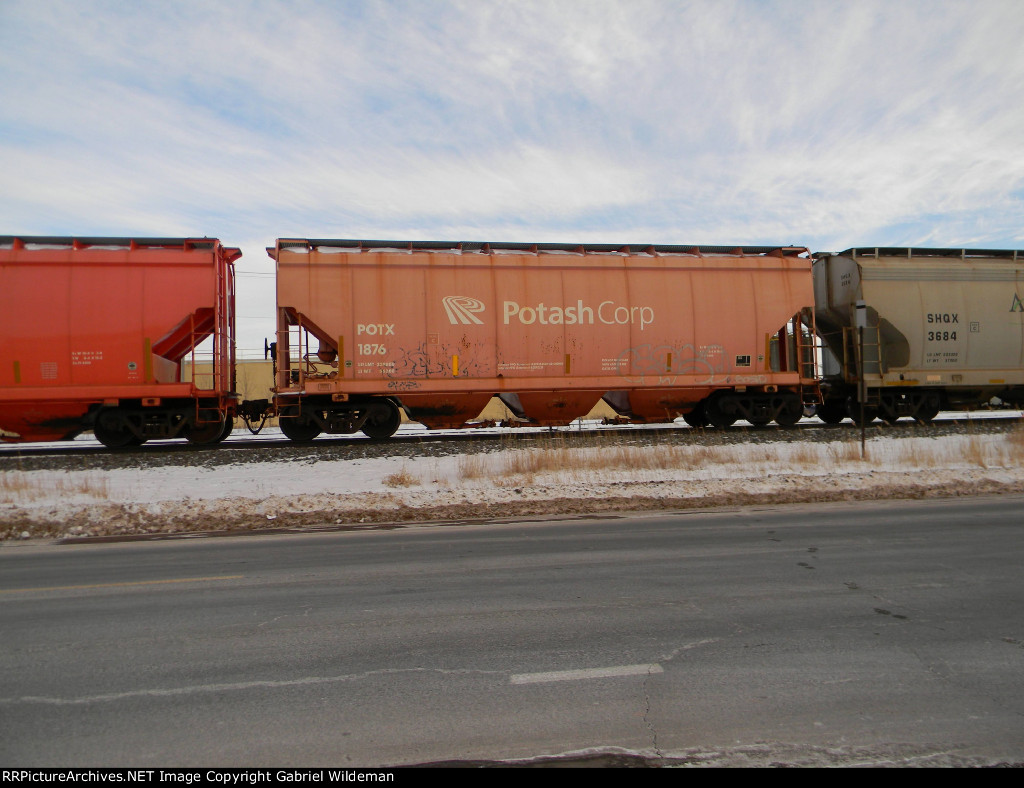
887	633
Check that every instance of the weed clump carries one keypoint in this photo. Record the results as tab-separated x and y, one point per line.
400	478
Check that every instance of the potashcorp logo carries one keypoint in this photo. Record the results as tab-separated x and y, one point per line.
607	312
463	309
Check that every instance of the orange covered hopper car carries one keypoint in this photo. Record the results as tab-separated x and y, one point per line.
712	334
96	333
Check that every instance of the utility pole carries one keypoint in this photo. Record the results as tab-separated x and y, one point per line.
862	384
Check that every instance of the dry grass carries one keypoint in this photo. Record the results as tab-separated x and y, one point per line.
474	466
580	462
845	452
611	455
531	462
401	478
1015	439
982	451
17	486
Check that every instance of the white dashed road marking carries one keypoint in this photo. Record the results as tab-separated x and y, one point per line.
589	673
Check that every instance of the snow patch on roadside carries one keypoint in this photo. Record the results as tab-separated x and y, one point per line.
285	494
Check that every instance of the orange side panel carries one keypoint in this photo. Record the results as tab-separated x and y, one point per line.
42	421
551	408
423	323
88	320
448	411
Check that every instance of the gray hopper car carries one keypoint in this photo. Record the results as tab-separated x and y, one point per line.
943	329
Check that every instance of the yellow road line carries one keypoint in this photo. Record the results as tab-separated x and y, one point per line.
122	585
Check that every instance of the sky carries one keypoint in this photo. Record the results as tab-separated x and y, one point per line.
723	122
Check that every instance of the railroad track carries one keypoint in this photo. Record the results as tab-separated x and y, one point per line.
242	447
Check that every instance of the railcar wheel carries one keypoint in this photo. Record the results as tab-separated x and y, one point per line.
111	430
383	421
206	433
229	427
696	418
790	413
853	411
299	429
717	416
928	410
832	411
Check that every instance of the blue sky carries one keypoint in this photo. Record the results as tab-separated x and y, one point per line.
814	123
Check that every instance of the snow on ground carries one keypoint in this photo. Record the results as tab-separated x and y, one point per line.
512	482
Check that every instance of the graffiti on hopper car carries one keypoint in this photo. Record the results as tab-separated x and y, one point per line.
438	360
403	385
649	360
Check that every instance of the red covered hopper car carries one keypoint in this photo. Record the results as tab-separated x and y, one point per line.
95	332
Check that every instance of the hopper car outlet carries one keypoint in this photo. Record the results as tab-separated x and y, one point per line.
369	330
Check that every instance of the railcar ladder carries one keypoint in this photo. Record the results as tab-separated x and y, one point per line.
863	359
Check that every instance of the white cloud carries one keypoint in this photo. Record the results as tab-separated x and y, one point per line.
816	122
